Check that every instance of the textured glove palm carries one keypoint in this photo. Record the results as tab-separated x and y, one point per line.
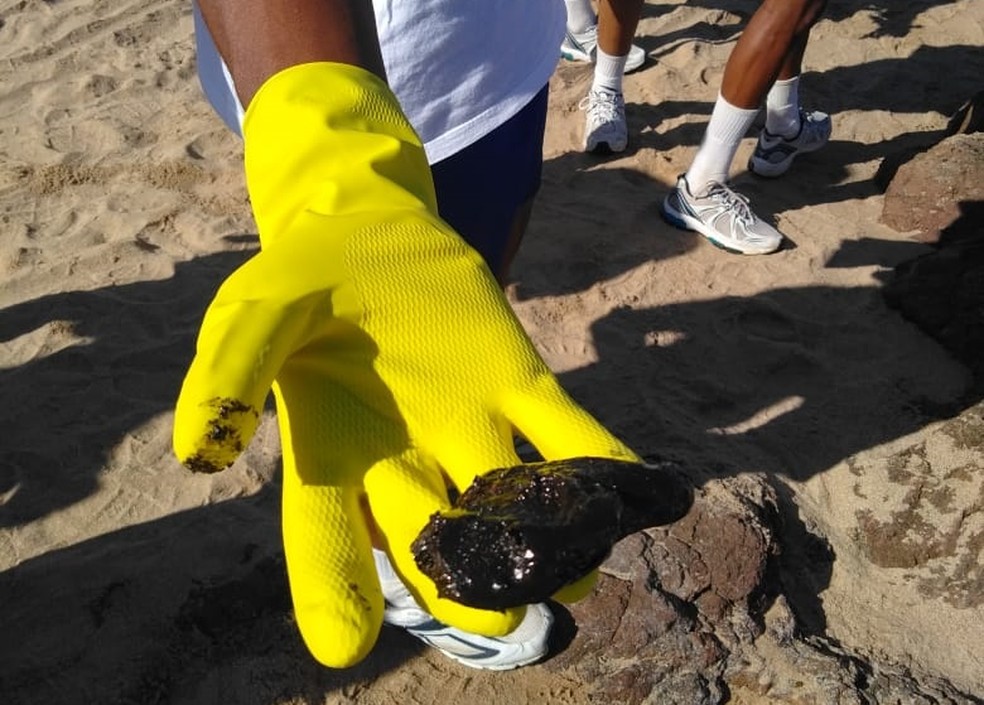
394	358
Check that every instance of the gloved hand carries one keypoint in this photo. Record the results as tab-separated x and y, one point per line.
394	358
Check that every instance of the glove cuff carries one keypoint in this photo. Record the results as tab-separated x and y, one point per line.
330	138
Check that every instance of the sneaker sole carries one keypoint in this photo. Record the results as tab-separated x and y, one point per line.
771	170
489	667
686	222
768	170
604	148
479	665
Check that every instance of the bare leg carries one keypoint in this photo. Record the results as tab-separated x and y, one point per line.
770	47
617	24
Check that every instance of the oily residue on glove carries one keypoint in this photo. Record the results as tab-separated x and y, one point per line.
224	441
517	535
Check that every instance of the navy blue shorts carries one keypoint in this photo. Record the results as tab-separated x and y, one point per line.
481	189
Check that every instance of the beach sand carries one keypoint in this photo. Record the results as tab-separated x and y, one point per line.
124	578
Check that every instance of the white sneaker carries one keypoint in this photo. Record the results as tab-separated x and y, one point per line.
584	47
723	217
774	154
523	646
605	129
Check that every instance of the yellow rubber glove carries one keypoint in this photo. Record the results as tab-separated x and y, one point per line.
394	358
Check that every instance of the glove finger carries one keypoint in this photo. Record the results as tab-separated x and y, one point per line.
472	447
578	590
337	599
243	341
403	493
558	427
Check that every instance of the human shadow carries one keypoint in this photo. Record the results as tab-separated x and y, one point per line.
114	359
157	608
707	31
781	382
788	383
606	238
602	237
891	19
191	607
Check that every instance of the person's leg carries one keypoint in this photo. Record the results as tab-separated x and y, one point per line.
617	24
789	130
584	29
486	191
770	47
782	100
605	126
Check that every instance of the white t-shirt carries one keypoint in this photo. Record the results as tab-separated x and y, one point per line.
460	68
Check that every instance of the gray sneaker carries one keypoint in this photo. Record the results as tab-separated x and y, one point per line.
723	217
526	644
584	47
774	154
605	129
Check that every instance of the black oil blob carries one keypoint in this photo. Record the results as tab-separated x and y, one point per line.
517	535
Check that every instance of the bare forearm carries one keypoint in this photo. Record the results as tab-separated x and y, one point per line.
258	38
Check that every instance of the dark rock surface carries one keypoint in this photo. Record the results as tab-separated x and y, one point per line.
940	193
698	613
937	188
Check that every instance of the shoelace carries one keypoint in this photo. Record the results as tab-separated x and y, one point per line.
734	202
602	106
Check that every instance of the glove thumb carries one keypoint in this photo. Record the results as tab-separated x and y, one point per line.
242	344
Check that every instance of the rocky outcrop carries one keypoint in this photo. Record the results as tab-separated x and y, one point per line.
931	188
940	195
939	187
698	613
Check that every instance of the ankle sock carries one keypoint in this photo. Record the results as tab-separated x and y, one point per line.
608	72
724	132
782	108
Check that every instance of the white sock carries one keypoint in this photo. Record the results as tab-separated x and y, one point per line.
608	72
580	16
782	108
721	139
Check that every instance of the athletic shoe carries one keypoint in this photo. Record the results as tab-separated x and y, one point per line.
584	47
605	129
523	646
723	217
774	154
